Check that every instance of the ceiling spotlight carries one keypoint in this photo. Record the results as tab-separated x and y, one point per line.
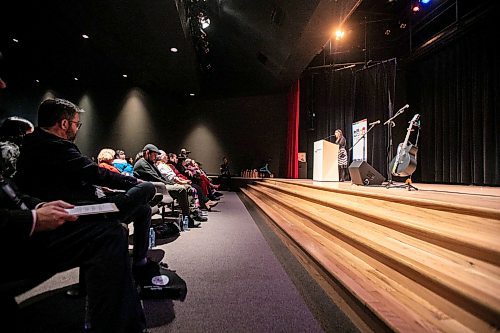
425	2
415	8
173	49
191	94
124	75
387	32
15	40
205	22
37	81
339	34
75	78
85	36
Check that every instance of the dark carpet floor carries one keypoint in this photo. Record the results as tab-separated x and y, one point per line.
239	276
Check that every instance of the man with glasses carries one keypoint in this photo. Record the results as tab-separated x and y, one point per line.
51	167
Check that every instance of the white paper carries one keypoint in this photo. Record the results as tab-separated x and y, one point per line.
93	209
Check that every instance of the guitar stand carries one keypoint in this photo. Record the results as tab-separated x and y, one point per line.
408	185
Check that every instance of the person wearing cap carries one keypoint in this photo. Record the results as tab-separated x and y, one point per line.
51	167
145	169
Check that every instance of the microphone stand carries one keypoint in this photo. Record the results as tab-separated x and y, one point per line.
390	123
362	137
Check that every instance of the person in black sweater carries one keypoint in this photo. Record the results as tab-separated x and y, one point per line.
51	167
39	239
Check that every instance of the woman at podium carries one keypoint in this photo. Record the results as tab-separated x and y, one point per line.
340	140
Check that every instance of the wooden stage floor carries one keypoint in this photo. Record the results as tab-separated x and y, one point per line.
479	196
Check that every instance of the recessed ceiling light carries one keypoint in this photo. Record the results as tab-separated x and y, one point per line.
75	78
173	49
15	40
85	36
191	94
124	75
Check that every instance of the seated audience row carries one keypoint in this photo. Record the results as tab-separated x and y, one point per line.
54	176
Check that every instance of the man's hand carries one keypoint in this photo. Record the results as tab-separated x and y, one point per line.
52	215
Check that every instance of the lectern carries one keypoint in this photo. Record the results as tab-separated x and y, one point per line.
326	164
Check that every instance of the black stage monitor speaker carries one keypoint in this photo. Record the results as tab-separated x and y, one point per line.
363	173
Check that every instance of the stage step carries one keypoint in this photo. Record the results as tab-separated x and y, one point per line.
407	265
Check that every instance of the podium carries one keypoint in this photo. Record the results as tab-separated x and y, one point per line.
326	164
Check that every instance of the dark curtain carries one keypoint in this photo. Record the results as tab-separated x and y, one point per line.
374	99
336	98
326	104
292	167
456	90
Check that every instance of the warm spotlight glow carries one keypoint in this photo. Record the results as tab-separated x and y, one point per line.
339	34
173	49
85	36
49	94
415	8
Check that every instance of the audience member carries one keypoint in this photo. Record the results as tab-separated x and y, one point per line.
54	242
146	169
51	167
224	178
14	129
105	159
169	174
122	164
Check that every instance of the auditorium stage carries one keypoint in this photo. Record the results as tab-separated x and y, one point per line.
424	260
470	195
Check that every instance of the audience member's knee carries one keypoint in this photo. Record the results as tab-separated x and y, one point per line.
148	188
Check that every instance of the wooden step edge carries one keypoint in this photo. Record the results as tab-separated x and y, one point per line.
420	202
398	317
475	301
467	247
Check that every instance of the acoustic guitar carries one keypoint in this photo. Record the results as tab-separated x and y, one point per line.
405	162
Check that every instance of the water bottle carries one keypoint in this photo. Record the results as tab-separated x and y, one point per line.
87	327
185	223
180	222
152	238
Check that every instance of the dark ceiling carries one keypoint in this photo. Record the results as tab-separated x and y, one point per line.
250	47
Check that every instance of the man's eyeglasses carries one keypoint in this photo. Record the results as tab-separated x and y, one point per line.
78	123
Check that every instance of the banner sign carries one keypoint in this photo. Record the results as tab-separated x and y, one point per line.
359	151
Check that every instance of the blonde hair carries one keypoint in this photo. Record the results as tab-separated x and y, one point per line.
106	155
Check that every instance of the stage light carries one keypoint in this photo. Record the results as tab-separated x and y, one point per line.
85	36
75	78
173	50
125	75
387	32
425	2
191	94
205	22
37	81
15	40
415	8
339	34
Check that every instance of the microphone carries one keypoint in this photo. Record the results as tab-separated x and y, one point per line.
403	108
328	137
374	123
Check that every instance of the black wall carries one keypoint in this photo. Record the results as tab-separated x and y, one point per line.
248	130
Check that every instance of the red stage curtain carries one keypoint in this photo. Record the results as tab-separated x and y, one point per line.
292	164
